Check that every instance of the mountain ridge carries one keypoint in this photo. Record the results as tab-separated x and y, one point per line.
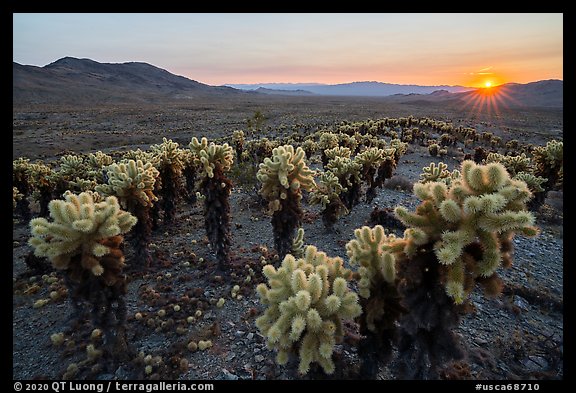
74	80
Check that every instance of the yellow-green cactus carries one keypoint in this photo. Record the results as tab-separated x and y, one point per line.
513	164
372	157
338	152
327	193
533	182
170	155
131	181
327	190
214	161
370	250
141	155
16	196
298	244
286	172
327	140
307	300
438	172
79	226
348	173
484	206
283	178
208	156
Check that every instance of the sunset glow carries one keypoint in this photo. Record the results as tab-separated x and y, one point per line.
424	49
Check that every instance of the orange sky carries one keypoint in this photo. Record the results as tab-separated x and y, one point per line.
425	49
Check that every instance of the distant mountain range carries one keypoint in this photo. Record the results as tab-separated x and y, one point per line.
365	89
72	80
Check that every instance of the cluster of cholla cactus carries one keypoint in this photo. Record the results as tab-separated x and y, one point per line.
170	163
458	236
132	182
307	299
190	171
84	240
283	177
380	299
42	177
327	193
213	162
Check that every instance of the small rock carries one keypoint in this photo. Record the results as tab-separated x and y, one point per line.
480	341
521	303
535	363
238	333
259	358
256	350
250	336
230	357
229	376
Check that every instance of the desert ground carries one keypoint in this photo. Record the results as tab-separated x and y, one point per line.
516	336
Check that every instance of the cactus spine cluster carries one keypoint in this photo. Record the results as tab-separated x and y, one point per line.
283	178
213	162
307	300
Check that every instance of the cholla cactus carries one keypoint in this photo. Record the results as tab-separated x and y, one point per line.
348	173
309	147
370	160
513	164
337	152
238	142
371	251
534	183
16	196
327	193
84	239
433	149
549	164
133	183
170	163
327	141
434	173
307	300
79	228
21	180
459	235
283	178
298	244
214	161
190	170
42	178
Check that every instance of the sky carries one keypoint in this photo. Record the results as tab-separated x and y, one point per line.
426	49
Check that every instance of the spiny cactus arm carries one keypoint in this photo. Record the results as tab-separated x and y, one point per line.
298	243
328	188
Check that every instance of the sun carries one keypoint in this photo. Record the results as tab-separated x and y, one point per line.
487	84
